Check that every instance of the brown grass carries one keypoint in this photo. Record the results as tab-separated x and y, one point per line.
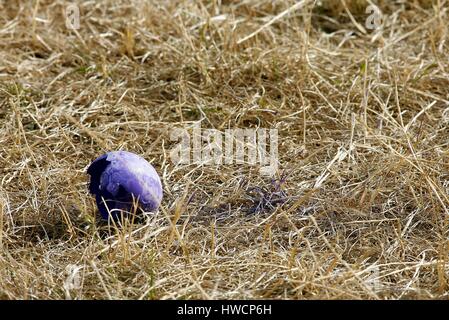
378	102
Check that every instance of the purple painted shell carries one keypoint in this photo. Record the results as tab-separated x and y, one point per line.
118	178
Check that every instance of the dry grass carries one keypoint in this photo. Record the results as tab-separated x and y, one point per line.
375	226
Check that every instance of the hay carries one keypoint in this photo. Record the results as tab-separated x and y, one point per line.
358	209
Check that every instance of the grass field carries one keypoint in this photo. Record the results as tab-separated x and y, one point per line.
359	206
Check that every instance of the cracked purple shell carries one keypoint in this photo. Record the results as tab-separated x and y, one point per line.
119	176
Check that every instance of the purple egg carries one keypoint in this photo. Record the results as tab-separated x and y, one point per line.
118	178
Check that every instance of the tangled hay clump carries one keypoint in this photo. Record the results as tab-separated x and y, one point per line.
358	208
